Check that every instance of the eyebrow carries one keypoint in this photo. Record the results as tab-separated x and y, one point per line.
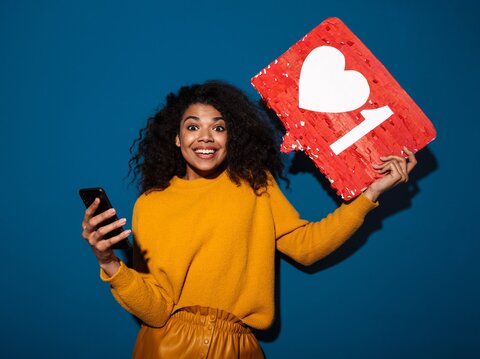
198	118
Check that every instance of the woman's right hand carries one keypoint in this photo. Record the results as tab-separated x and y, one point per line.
102	248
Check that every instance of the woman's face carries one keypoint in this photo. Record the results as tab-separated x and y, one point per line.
202	138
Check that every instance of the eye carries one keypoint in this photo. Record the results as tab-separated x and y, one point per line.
192	127
219	128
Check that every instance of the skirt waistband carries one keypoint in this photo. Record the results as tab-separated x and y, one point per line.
211	318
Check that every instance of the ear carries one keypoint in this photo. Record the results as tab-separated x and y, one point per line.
177	141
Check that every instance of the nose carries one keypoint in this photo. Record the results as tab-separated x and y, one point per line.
205	135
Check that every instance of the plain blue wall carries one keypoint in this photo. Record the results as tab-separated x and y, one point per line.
78	80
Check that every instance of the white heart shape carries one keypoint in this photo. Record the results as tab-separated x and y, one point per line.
325	86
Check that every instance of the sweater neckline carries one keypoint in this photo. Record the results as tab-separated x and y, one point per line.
178	182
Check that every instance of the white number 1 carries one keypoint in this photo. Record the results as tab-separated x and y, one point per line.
373	118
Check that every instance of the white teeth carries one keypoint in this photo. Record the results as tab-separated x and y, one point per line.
204	151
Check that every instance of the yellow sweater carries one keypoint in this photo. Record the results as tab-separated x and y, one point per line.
211	243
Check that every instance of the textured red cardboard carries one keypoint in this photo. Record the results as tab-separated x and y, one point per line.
341	106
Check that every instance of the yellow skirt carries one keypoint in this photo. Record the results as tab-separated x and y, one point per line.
198	332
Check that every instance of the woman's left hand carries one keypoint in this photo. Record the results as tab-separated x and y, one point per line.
395	170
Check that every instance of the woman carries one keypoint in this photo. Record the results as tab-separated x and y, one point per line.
208	224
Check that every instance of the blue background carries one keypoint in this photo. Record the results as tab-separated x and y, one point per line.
78	80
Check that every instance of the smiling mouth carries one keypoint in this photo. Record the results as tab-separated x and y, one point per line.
205	153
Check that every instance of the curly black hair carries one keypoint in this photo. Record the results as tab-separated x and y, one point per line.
252	146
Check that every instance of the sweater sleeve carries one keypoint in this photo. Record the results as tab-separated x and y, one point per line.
307	242
138	292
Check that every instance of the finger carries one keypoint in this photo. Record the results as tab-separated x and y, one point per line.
402	165
402	169
398	172
92	239
105	244
90	211
384	164
379	166
85	234
94	221
383	168
401	161
392	157
392	169
102	231
412	160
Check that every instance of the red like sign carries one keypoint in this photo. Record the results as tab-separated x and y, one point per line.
341	106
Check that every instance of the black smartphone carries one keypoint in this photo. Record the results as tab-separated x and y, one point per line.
88	195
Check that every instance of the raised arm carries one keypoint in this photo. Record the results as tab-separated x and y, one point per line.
307	242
